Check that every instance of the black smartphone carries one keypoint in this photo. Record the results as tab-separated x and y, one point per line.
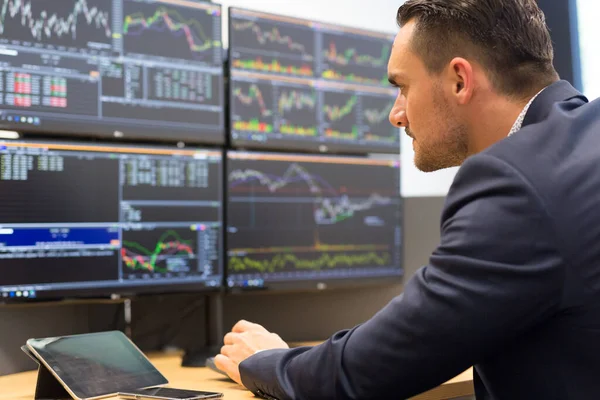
168	394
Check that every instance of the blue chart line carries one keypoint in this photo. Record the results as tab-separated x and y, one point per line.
330	207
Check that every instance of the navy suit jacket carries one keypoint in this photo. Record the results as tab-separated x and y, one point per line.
513	288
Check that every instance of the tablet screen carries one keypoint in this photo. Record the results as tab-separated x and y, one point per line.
97	364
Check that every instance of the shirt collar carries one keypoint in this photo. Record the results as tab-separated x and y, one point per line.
519	122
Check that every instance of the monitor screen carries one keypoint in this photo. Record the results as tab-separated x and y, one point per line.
303	85
85	220
133	69
300	220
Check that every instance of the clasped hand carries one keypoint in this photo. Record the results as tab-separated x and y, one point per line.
244	340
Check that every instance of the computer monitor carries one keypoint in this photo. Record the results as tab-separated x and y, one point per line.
302	221
82	220
131	69
304	85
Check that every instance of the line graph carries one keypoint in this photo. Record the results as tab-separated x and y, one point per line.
340	116
294	100
352	56
272	37
335	113
321	262
355	59
330	207
297	111
252	107
376	116
144	252
375	120
318	247
330	211
254	95
267	46
296	215
273	183
71	23
170	32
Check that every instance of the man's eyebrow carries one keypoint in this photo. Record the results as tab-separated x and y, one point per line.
392	79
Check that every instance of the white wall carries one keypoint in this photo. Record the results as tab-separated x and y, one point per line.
368	14
588	12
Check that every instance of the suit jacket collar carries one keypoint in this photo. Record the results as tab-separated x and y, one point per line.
542	105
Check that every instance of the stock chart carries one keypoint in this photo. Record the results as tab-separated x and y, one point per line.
130	68
253	107
297	111
302	217
101	219
173	251
166	30
315	87
260	107
339	110
80	24
375	124
271	45
355	59
294	115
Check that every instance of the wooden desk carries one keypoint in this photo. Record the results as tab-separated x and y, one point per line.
22	386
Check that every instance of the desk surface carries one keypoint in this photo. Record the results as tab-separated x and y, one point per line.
22	386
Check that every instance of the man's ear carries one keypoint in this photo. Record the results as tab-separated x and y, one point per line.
461	77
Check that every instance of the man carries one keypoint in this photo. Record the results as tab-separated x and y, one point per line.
514	286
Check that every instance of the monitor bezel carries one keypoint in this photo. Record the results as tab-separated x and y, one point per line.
328	148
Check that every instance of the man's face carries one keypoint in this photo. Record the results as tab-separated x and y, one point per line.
425	108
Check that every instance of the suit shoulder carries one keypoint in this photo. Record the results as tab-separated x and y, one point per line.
540	150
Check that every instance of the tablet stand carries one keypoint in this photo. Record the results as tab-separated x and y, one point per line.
47	386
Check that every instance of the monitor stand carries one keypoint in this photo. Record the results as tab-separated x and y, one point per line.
214	334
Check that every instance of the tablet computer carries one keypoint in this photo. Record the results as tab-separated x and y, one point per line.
96	365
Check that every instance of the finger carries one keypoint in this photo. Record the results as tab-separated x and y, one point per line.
229	367
245	326
227	350
231	338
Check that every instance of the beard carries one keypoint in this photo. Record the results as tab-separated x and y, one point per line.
447	144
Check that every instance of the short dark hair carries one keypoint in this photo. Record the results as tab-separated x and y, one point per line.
509	38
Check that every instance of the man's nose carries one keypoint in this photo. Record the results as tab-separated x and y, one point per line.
398	113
